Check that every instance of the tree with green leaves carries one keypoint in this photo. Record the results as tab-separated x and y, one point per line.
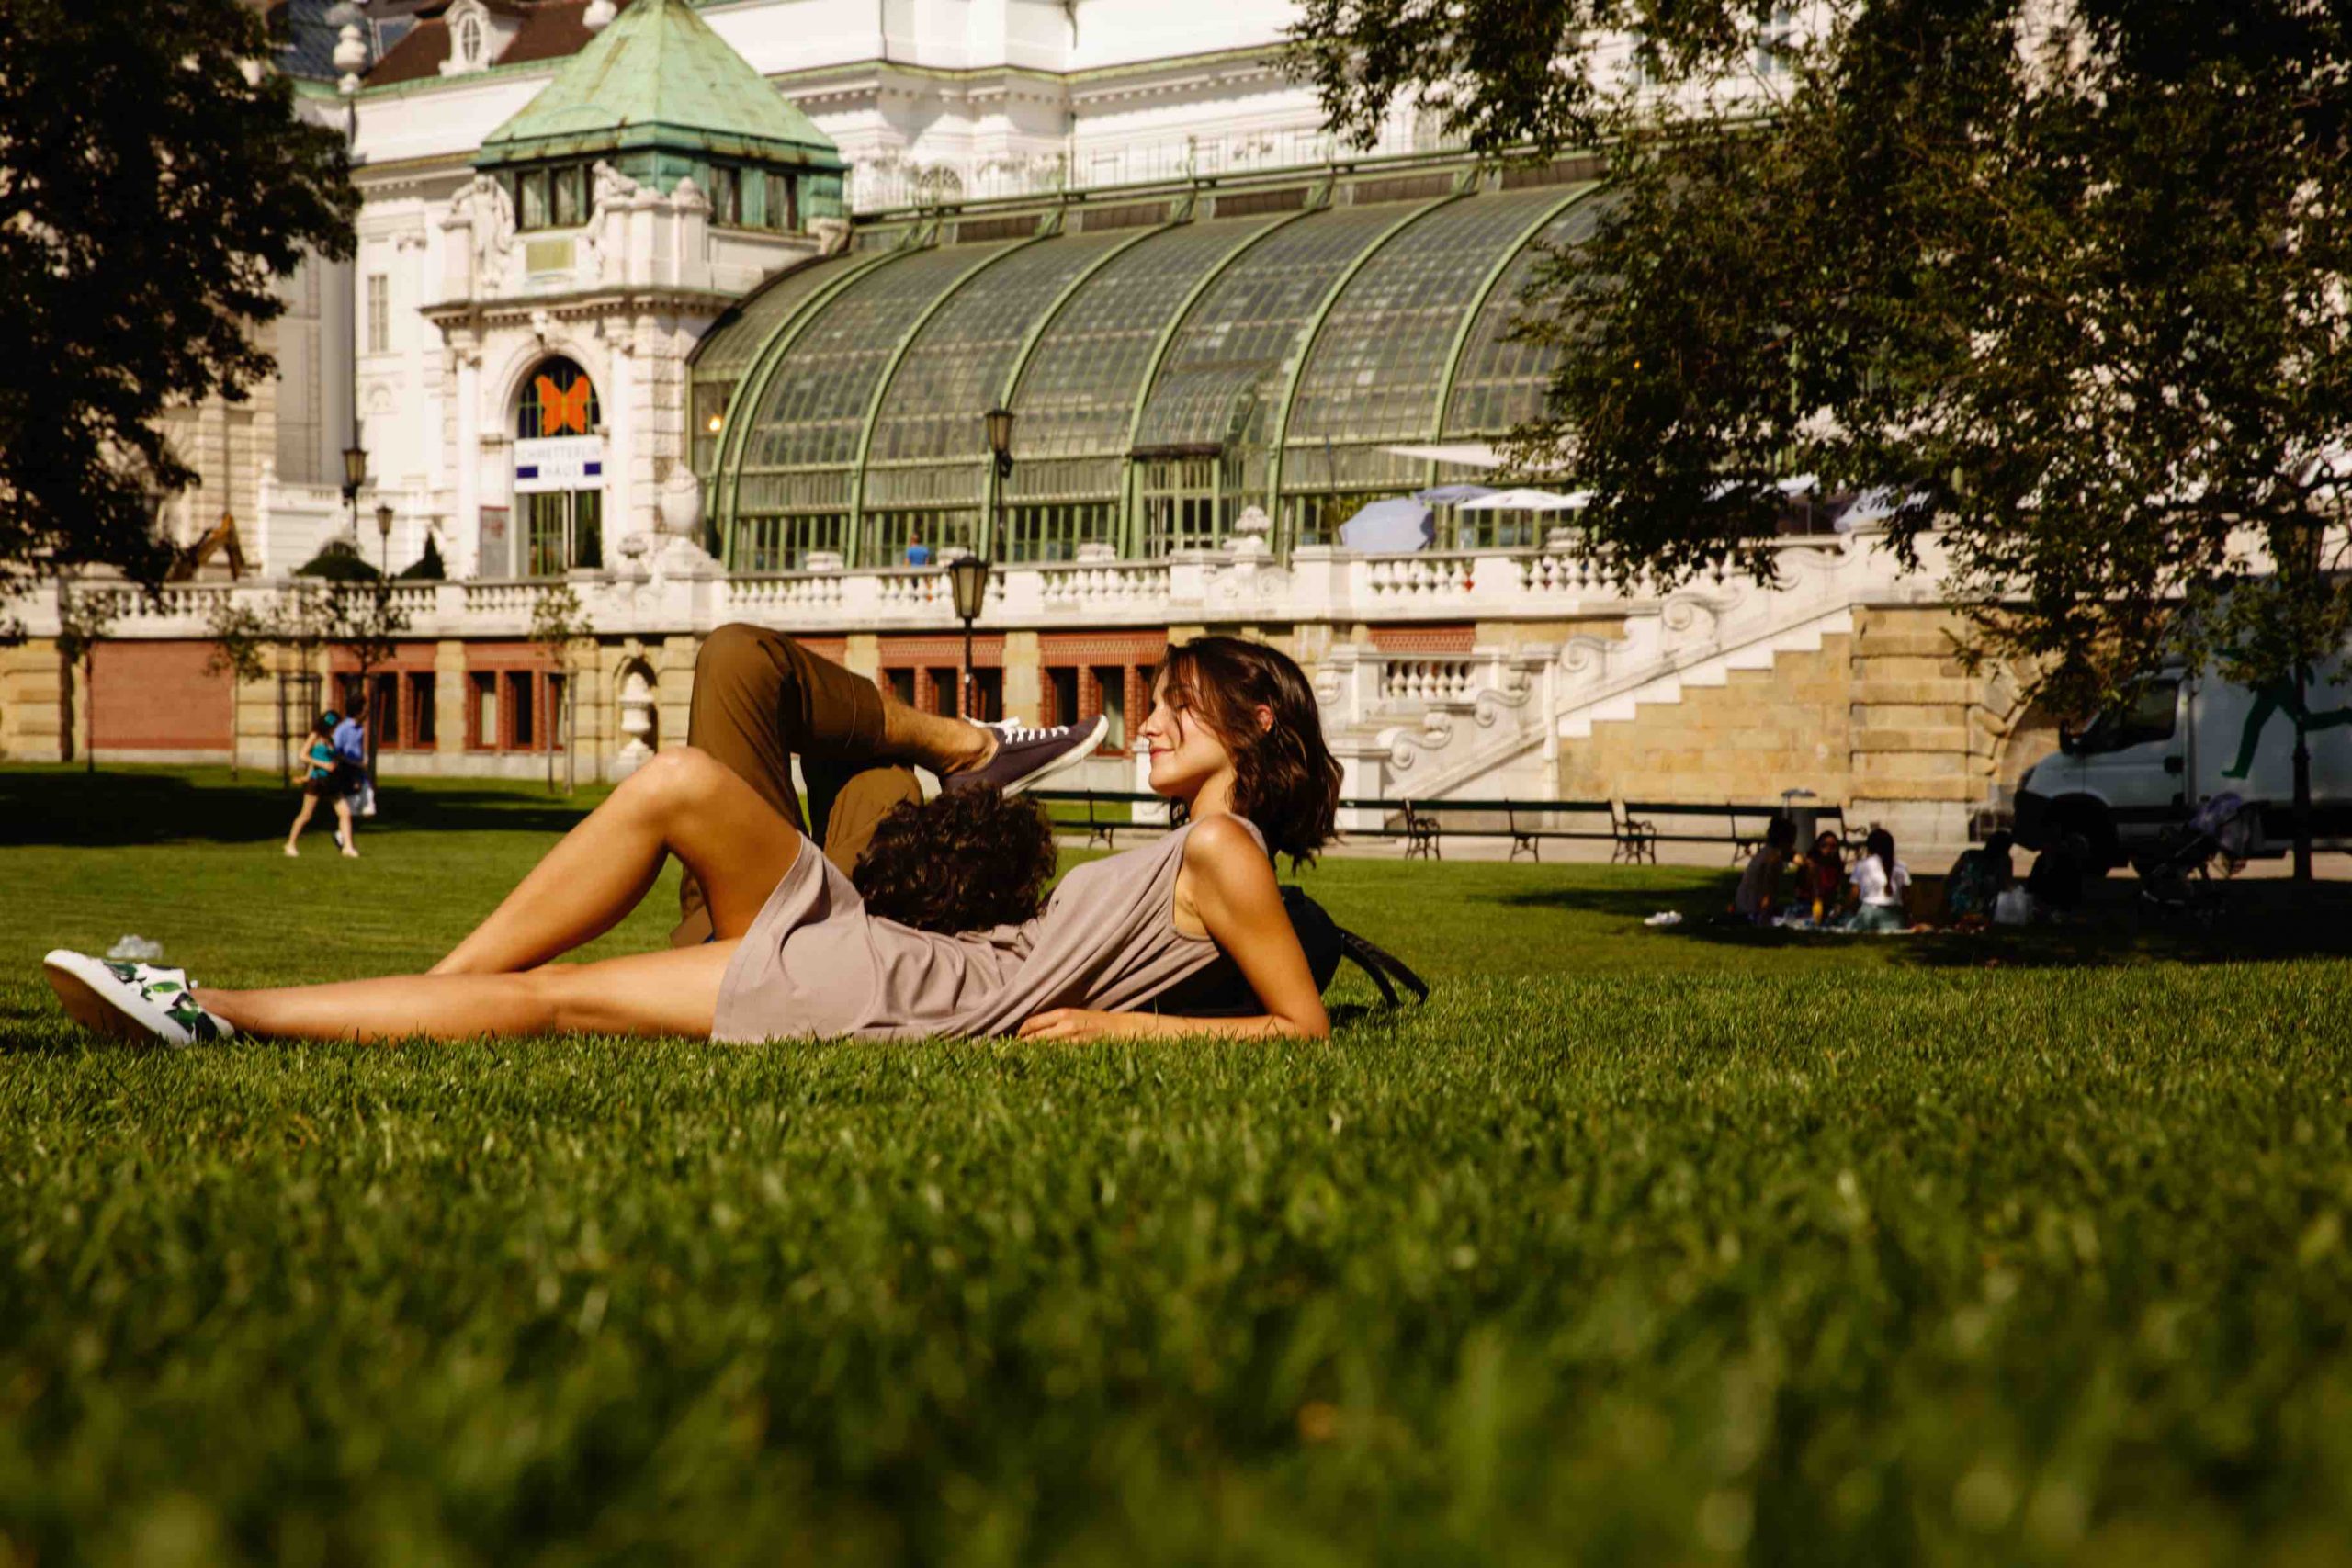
558	623
155	184
241	639
2065	284
85	613
300	623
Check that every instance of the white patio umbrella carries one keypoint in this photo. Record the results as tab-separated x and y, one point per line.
1529	501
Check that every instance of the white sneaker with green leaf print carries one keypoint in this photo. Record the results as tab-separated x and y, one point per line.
131	1002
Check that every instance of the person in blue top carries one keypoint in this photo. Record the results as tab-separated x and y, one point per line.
917	553
351	749
324	780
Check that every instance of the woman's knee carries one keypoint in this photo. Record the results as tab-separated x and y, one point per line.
680	778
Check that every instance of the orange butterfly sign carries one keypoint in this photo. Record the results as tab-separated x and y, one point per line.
561	411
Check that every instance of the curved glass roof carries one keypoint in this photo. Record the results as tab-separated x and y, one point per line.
1222	369
1497	382
814	409
1380	361
1142	363
1077	396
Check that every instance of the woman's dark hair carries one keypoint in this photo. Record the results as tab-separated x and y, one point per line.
1285	779
1881	843
1780	833
324	725
1827	842
967	860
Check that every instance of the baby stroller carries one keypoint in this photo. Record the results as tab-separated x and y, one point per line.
2176	877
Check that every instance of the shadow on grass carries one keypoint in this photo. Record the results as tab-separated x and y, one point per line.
114	807
2265	921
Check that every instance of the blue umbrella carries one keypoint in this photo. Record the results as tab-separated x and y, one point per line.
1389	528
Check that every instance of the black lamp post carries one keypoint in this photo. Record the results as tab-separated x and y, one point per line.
968	578
384	536
355	475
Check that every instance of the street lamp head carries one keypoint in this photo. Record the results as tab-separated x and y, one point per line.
968	578
354	469
1000	423
384	521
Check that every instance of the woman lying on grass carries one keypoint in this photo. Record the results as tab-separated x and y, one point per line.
797	951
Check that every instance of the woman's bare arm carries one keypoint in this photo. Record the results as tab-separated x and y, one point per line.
1239	901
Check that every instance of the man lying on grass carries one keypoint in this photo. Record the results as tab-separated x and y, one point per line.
941	933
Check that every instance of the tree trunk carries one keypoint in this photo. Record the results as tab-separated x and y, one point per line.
66	684
90	706
2303	779
571	733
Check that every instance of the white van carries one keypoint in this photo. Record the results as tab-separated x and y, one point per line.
2182	740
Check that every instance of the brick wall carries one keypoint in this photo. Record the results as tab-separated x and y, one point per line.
157	696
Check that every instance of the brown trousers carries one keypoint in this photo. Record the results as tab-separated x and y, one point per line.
759	700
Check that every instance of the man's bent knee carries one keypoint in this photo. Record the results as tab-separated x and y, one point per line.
729	648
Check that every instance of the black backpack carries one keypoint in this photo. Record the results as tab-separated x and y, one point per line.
1221	991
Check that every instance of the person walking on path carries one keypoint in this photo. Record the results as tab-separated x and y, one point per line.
795	950
324	780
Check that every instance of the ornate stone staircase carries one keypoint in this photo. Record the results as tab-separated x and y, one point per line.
1495	721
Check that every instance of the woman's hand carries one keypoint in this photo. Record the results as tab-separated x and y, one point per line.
1085	1023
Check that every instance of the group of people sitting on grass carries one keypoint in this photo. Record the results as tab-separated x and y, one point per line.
1873	892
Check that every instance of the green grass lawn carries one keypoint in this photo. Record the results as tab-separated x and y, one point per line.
1632	1246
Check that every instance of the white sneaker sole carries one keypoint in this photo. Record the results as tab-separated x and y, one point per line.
1067	760
95	1000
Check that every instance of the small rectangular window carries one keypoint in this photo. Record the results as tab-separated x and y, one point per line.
522	733
556	715
421	729
945	697
535	199
481	711
570	205
379	314
780	195
1061	696
1111	683
726	195
384	713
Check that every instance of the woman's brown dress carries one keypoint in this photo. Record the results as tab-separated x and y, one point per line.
815	965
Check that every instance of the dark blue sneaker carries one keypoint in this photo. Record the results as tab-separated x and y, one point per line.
1026	756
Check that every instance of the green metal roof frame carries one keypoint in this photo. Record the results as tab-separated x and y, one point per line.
727	470
1129	518
1478	305
753	384
855	535
658	77
1315	331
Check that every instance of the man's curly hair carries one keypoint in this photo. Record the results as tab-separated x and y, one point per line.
969	860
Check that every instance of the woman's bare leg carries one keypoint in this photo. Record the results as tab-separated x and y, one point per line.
680	802
342	821
301	820
672	992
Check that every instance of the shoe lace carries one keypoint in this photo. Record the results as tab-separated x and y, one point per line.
1020	735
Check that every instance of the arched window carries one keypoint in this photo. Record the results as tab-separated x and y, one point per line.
557	399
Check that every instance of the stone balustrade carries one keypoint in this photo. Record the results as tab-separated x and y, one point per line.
1243	586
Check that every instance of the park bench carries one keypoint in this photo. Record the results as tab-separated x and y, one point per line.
1740	827
1107	811
1528	823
